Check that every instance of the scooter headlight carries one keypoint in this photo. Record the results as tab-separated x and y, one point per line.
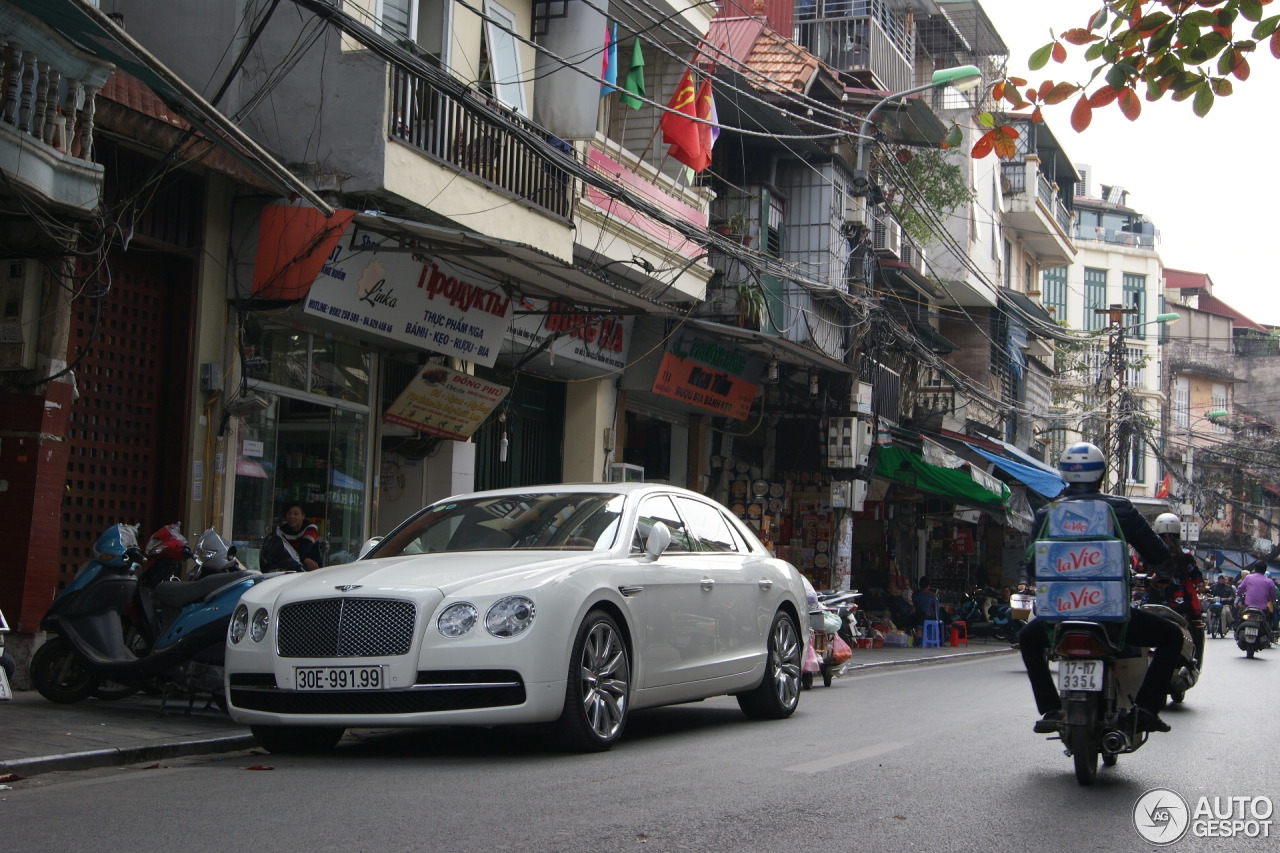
239	624
258	627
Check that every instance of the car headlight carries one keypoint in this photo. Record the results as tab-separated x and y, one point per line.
457	619
258	628
510	616
239	623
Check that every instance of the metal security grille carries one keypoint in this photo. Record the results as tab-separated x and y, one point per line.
346	627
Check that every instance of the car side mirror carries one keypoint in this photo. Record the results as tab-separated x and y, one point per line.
659	539
368	546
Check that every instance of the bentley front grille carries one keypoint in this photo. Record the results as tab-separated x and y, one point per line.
346	627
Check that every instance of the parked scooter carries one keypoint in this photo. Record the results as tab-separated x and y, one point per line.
190	624
986	616
8	666
831	615
1253	631
1097	678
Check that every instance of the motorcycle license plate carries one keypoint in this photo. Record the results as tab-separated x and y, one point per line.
1250	634
1080	675
338	678
5	692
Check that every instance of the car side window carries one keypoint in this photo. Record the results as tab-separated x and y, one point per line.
659	508
709	530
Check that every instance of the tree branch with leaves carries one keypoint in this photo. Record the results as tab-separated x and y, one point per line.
1141	50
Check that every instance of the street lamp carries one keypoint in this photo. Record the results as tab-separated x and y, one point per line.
962	78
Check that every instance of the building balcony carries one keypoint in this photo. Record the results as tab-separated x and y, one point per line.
1032	207
1113	237
47	91
862	37
1183	357
490	143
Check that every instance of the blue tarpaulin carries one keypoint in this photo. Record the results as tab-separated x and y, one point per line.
1044	483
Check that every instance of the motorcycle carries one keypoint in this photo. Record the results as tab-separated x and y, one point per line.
986	616
1097	678
832	615
1253	631
190	623
1216	622
8	666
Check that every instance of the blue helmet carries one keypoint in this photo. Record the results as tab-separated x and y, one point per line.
1082	463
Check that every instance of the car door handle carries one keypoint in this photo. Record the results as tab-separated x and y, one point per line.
766	584
707	584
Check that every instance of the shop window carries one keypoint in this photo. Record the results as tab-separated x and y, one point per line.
501	60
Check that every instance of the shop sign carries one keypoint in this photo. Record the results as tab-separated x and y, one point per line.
597	342
714	390
963	541
444	402
413	299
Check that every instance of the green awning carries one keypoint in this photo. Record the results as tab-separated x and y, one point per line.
903	466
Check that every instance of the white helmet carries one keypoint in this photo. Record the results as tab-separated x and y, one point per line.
1082	463
1167	522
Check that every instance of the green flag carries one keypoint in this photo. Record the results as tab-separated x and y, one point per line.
633	83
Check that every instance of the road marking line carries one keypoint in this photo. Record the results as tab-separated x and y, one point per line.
831	762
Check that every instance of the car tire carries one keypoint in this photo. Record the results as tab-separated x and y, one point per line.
59	675
297	739
778	693
598	694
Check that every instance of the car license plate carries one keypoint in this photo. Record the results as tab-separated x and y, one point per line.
1080	675
338	678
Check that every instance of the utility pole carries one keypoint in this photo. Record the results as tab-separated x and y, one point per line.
1115	361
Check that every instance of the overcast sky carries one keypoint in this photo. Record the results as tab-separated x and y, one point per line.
1209	185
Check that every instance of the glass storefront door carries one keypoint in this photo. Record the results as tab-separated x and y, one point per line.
310	443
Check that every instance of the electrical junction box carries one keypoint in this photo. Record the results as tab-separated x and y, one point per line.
19	306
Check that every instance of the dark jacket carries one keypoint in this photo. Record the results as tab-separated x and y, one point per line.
1136	531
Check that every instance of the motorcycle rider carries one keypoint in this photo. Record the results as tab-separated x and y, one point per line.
1083	466
1184	580
1226	593
1257	590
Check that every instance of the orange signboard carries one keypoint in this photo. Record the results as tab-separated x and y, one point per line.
701	386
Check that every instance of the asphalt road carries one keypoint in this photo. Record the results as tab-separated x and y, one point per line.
930	758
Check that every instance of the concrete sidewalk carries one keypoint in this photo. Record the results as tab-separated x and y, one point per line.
39	736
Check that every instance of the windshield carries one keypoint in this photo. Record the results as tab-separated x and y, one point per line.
558	521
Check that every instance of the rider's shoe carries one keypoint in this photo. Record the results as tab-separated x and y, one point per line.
1142	720
1050	722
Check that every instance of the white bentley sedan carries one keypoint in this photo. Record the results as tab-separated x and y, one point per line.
565	605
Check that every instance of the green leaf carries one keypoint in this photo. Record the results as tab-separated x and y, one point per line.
1118	75
1211	43
1040	58
986	120
1161	39
1251	10
1099	20
1203	101
1266	27
1199	18
1150	22
1094	50
953	138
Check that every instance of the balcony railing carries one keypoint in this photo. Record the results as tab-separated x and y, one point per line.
858	35
479	137
47	90
1115	236
1015	183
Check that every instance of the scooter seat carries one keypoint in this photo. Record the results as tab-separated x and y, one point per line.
182	593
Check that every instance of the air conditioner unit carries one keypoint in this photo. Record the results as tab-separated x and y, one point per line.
19	309
913	255
886	237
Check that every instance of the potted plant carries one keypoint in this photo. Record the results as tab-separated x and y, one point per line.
750	304
735	226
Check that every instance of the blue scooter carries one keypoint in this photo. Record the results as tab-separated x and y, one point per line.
190	623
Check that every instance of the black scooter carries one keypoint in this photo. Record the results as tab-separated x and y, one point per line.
1253	631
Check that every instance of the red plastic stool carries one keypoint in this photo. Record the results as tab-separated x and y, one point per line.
959	633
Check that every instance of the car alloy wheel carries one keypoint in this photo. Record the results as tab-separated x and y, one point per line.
779	691
599	689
